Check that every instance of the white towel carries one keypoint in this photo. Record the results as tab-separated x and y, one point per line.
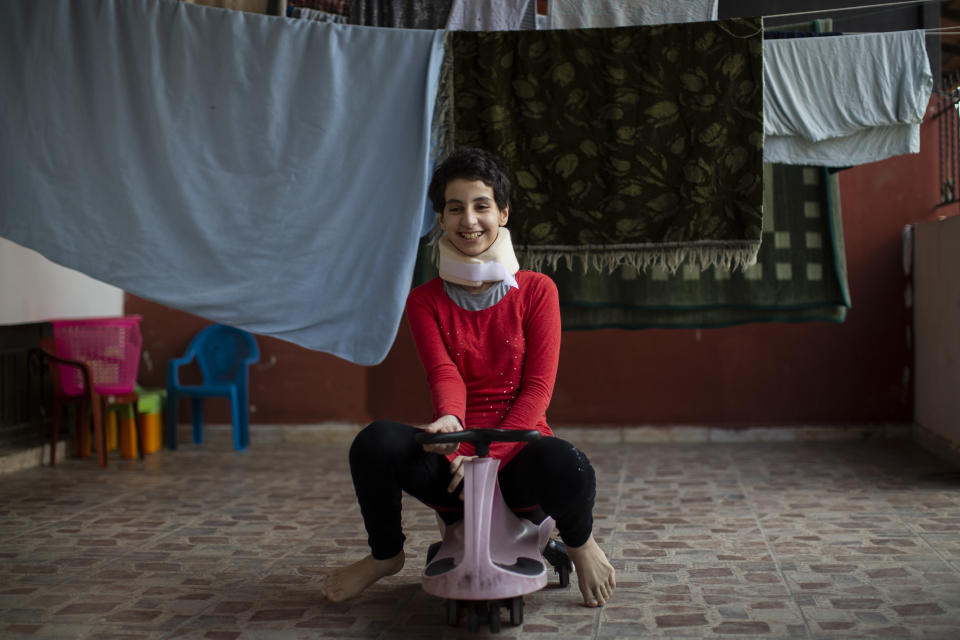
487	15
844	100
582	14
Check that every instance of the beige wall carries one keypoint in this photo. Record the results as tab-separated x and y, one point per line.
937	327
32	289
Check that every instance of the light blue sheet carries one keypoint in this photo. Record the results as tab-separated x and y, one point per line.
257	171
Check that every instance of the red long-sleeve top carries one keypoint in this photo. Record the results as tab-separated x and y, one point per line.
493	368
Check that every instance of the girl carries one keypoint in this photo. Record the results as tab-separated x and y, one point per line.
488	336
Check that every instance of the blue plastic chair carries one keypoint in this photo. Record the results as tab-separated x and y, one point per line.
224	355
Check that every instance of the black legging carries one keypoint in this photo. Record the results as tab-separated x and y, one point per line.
548	473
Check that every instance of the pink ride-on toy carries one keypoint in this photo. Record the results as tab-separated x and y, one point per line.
492	557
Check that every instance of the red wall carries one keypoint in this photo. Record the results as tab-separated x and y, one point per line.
759	374
288	385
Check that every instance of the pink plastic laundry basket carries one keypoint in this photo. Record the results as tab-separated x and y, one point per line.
109	346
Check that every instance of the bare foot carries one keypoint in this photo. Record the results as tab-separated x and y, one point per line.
595	574
349	581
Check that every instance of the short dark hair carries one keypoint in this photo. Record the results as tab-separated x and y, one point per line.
471	164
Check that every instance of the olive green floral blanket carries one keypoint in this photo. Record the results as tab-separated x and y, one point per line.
637	146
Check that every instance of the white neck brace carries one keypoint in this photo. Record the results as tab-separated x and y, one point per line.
497	263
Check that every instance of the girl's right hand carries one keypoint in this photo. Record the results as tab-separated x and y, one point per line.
443	424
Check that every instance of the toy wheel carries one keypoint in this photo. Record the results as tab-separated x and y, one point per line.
556	554
516	611
453	612
432	551
473	618
493	616
564	572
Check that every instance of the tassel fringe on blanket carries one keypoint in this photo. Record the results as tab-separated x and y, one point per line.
668	256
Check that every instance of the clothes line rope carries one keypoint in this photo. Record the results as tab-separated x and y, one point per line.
837	9
933	31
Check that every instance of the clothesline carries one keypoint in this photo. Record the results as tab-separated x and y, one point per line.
342	4
933	31
837	9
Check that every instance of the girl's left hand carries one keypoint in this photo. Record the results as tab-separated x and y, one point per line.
456	470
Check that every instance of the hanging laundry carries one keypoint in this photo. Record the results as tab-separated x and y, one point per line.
844	100
319	10
405	14
316	15
226	164
251	6
581	14
637	145
491	15
336	7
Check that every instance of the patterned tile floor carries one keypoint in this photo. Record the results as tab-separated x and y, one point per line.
761	540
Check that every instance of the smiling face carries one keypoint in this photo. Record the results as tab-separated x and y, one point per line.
470	217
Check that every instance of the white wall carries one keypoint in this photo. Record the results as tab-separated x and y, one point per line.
32	289
936	321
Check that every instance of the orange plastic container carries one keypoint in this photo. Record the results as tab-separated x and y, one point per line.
152	432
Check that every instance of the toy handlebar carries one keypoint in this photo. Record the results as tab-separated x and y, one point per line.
479	438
